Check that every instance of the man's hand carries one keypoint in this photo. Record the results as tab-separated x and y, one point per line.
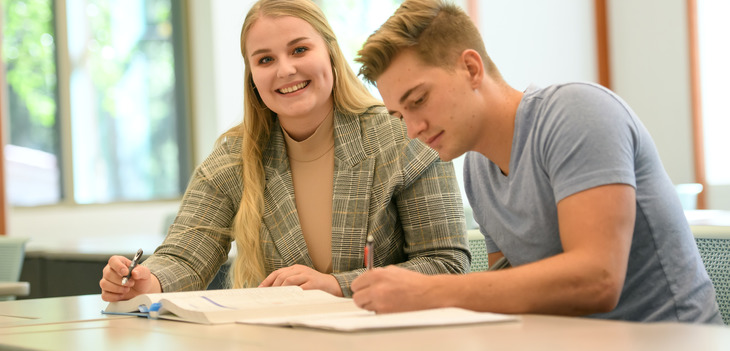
394	289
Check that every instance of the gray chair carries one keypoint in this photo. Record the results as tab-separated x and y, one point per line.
715	252
12	253
478	248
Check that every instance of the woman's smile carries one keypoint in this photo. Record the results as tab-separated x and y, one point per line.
294	88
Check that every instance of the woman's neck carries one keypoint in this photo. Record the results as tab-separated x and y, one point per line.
302	127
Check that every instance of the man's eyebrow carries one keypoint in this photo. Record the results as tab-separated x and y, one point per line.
408	93
290	43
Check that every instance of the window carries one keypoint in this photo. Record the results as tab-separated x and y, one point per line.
714	54
96	98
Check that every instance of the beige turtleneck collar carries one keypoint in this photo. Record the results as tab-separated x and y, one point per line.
315	146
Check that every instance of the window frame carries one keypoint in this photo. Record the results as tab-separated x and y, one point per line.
698	141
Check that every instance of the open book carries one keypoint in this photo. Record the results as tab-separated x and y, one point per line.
231	305
288	306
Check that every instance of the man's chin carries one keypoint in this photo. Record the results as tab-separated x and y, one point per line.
449	155
445	156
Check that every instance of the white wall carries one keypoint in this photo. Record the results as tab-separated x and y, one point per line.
540	42
650	70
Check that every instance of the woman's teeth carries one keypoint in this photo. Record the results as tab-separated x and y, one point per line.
293	88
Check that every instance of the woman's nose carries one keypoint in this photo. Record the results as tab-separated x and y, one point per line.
286	68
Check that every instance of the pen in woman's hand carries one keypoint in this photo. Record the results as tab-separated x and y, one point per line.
135	260
369	252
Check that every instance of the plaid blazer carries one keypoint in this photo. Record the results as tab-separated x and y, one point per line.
384	184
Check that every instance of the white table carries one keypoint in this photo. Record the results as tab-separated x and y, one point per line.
75	323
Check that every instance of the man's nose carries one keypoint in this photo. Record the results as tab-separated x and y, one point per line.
415	126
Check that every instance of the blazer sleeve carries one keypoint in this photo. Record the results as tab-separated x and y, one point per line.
198	242
431	212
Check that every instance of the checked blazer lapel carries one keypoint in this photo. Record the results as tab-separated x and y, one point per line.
353	180
280	218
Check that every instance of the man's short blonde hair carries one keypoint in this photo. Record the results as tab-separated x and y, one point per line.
438	32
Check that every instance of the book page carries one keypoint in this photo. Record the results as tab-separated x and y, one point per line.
255	298
432	317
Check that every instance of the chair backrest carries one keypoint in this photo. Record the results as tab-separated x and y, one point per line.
12	253
715	252
479	257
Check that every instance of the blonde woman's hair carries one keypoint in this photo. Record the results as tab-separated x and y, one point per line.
350	96
436	30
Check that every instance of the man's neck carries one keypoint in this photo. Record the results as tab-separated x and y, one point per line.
501	109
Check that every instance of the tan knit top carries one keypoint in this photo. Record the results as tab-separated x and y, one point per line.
312	163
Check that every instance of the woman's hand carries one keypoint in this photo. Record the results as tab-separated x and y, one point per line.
141	282
305	277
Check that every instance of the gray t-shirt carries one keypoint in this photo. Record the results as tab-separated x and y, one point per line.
576	136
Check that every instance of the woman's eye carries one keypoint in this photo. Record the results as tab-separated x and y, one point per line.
265	60
300	50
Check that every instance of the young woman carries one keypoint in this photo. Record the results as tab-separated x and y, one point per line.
315	167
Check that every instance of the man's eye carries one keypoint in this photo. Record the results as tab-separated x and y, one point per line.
419	101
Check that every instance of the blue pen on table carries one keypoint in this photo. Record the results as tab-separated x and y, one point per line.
135	260
369	252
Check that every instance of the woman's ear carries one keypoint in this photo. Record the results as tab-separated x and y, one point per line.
472	61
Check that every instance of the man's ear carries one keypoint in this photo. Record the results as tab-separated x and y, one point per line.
472	61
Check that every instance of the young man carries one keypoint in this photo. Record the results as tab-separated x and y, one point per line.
565	182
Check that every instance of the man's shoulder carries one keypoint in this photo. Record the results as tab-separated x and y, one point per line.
570	91
575	102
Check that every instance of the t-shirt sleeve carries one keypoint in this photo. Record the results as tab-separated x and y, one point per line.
589	139
491	245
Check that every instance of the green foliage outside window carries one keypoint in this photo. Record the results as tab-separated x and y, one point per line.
28	52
